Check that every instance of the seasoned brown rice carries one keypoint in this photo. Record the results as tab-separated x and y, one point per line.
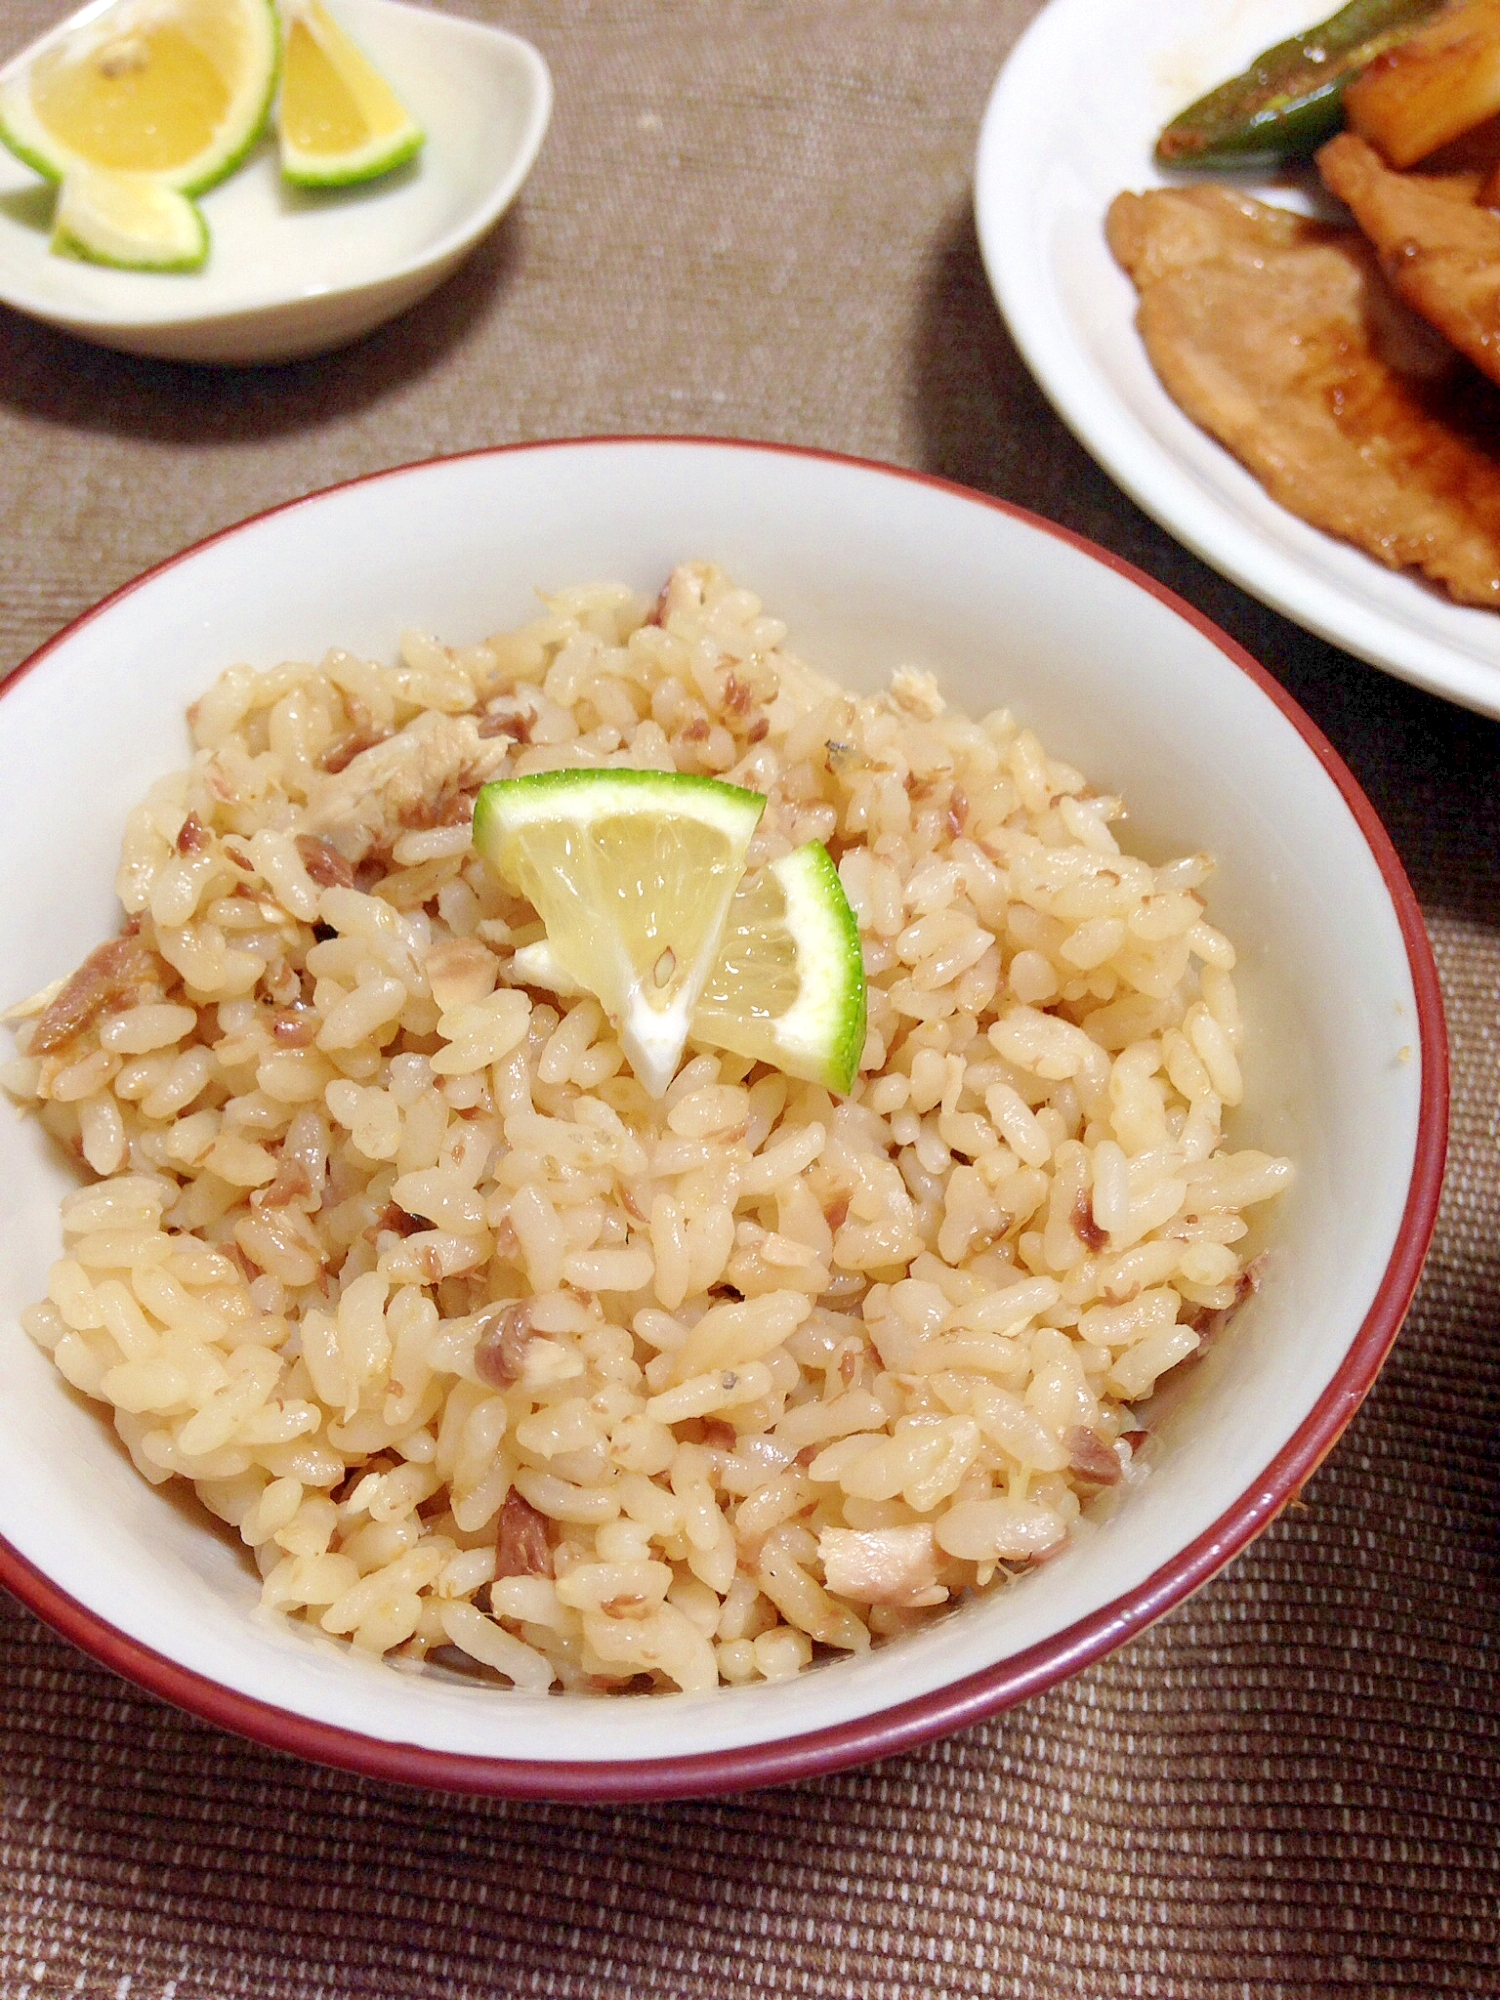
491	1359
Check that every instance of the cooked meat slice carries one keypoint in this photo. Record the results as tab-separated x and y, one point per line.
120	974
523	1544
435	755
882	1565
1437	245
1280	337
500	1351
1090	1457
324	863
292	1183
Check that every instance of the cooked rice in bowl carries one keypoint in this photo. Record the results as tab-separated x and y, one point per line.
488	1356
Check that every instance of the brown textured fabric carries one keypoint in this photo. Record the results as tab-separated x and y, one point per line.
752	217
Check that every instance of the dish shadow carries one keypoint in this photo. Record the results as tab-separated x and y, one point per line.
1431	769
54	377
31	207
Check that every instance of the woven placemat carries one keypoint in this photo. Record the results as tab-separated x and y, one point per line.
752	217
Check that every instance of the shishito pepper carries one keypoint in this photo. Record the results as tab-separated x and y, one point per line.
1290	99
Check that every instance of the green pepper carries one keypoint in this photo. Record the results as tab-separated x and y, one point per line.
1291	97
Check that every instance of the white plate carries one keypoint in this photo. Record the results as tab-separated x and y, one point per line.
1070	123
294	273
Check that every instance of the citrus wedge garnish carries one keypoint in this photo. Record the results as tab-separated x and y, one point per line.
340	121
788	985
176	89
632	874
129	220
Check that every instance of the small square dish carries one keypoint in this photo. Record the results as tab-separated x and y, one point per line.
294	272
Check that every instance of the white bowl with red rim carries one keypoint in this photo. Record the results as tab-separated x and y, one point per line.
872	568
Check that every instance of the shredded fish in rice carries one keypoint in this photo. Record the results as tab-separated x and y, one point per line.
489	1358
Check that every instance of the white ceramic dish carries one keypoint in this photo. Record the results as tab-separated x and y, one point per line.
1071	122
872	568
293	273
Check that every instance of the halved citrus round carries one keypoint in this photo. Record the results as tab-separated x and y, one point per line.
340	121
176	89
632	874
788	985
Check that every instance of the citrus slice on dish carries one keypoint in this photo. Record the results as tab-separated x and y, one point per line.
788	985
129	220
340	121
176	89
632	873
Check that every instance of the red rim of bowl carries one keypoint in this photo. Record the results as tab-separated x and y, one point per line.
907	1724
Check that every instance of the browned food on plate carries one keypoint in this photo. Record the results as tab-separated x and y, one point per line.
1280	337
1438	246
523	1546
1433	87
122	973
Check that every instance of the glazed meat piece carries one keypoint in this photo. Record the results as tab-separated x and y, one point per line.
121	974
1438	246
1280	337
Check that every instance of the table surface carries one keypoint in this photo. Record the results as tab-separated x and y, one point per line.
753	217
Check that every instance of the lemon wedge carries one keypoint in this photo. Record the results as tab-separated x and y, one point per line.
178	90
632	873
340	120
788	985
128	220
